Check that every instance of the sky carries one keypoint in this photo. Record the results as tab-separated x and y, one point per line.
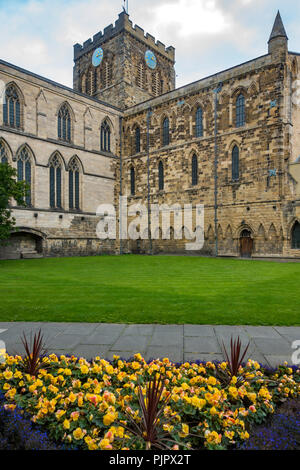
208	35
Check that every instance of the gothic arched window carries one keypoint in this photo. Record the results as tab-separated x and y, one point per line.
55	182
199	122
296	236
105	137
161	176
64	123
235	163
137	140
194	170
12	108
166	132
24	171
3	153
132	181
240	111
74	184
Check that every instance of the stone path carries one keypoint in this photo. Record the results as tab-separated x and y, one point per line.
268	345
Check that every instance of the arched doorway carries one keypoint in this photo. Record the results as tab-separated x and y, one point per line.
22	244
246	244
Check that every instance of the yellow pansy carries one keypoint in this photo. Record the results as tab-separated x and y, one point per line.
78	434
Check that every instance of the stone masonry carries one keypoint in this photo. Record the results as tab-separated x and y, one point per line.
262	203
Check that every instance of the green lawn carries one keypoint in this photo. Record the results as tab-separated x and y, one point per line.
158	289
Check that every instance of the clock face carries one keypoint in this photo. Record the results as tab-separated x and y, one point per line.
150	59
97	57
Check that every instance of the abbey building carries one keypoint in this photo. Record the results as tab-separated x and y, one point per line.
230	141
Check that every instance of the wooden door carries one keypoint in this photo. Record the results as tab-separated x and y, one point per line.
246	245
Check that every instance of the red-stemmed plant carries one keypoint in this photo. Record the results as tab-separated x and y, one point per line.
34	352
234	360
151	406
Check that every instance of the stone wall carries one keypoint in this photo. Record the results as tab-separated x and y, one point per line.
130	80
263	203
62	231
261	200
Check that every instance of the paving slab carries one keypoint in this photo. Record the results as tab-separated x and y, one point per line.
228	330
268	345
14	348
7	324
144	330
98	339
169	329
131	343
262	332
63	341
291	333
167	339
78	329
105	328
201	345
225	340
198	330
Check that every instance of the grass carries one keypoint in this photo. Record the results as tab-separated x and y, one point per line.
158	289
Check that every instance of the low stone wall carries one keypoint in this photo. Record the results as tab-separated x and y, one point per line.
58	247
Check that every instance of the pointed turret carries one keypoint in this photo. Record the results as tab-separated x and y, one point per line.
278	38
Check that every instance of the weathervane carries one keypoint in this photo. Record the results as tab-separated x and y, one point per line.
125	6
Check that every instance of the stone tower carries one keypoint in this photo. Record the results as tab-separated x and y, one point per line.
131	67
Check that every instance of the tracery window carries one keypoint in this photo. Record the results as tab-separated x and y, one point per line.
64	123
12	108
24	171
55	181
74	184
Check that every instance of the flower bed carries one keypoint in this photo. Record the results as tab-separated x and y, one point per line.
17	432
281	432
94	405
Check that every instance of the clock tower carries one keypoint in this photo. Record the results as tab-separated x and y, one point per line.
123	66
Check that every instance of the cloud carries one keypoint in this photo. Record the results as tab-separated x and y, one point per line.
191	17
209	35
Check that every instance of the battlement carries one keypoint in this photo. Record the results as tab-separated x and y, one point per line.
123	24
